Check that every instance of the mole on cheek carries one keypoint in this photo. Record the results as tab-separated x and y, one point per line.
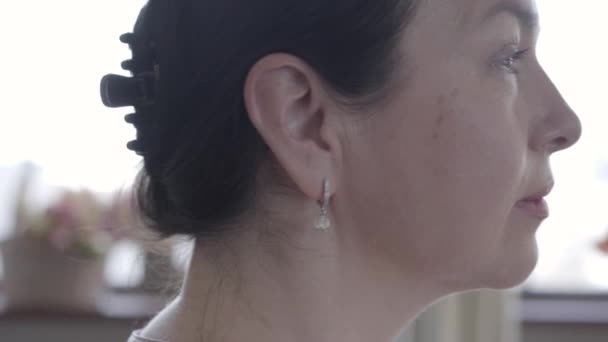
455	92
441	116
444	109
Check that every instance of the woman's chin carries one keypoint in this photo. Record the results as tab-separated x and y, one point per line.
513	270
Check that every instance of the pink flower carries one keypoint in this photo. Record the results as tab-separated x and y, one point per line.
78	222
62	238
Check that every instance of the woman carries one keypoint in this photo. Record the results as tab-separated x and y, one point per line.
341	164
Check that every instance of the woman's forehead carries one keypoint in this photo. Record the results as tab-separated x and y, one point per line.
460	16
475	11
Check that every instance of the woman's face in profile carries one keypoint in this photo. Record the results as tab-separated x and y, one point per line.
433	178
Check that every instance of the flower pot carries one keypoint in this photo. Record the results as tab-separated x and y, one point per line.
38	277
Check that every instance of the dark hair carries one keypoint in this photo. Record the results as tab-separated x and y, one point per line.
201	152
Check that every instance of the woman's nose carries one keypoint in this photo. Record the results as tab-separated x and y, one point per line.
560	127
567	132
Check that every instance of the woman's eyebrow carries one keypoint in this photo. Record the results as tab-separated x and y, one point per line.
527	18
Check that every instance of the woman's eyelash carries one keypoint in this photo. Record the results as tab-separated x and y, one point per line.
510	62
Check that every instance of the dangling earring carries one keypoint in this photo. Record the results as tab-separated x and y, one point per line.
323	221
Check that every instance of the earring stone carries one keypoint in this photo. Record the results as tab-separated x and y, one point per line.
323	220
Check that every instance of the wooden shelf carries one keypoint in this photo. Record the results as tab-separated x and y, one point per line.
564	308
111	305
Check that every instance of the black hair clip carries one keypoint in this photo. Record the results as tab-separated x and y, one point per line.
121	91
139	90
153	26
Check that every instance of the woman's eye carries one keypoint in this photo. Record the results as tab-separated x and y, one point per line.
511	61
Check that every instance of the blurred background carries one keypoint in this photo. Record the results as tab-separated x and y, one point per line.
64	165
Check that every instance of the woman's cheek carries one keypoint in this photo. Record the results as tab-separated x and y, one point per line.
484	150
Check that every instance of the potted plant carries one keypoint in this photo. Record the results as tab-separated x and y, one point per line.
55	258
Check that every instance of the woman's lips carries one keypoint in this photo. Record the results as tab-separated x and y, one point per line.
535	207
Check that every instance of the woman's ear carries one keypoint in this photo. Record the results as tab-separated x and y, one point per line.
287	103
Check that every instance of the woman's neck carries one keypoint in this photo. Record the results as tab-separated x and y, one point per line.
296	286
